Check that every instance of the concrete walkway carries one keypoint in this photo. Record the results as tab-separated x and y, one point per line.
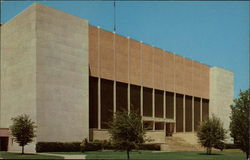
66	156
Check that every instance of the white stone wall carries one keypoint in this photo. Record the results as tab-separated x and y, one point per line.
62	76
44	73
18	70
221	94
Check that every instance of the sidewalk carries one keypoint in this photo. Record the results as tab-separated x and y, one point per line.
65	156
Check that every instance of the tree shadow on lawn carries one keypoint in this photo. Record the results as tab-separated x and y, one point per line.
25	154
212	154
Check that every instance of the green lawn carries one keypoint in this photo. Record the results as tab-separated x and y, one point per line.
8	155
225	155
166	155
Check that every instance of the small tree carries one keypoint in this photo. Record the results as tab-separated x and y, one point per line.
239	125
22	130
211	133
127	131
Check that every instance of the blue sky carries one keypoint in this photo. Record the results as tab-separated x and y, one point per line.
214	33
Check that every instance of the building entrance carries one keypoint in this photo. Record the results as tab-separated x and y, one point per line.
4	143
169	129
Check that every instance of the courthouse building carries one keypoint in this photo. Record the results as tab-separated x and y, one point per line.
71	77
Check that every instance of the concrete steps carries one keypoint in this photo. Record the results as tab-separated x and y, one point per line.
179	143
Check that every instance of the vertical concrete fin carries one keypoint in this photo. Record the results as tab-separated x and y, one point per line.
221	94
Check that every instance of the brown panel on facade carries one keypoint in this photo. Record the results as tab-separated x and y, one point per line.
159	126
169	105
93	51
147	66
121	58
135	98
205	109
106	102
179	74
147	102
135	62
158	103
204	81
158	69
196	79
106	54
188	81
200	80
169	71
188	114
196	112
93	102
121	97
179	113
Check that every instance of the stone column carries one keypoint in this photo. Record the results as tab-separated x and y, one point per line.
192	114
175	112
114	98
142	101
128	98
201	110
153	103
164	105
99	103
184	113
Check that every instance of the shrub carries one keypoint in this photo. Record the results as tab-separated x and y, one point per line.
219	146
153	147
211	134
228	146
91	146
58	147
84	146
231	146
107	145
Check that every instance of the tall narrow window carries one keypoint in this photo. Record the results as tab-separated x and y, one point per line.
93	102
121	96
135	98
188	113
170	105
159	103
179	113
147	102
205	109
196	112
106	102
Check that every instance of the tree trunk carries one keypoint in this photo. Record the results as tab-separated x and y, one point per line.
209	150
128	154
22	149
247	153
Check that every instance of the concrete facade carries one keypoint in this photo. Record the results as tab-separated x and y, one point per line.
44	66
221	94
67	75
62	75
18	70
